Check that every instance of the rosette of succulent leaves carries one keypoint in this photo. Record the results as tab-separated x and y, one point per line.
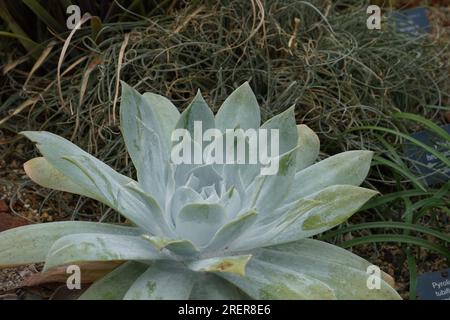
203	231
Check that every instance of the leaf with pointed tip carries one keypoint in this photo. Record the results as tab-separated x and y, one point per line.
154	170
167	114
134	106
197	110
75	248
44	174
59	152
310	247
198	222
231	231
183	248
144	208
231	202
180	198
308	147
269	282
35	240
231	264
163	280
119	196
349	168
87	172
211	287
287	130
343	271
263	197
239	110
115	284
309	216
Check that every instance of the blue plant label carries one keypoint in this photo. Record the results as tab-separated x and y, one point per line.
424	164
413	21
434	285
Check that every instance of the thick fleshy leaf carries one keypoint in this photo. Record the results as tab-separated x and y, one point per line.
197	111
334	254
181	197
230	231
154	170
87	172
210	287
168	115
308	147
31	244
115	284
239	110
119	196
231	201
133	108
343	271
270	282
163	280
179	247
349	167
285	124
263	198
43	173
207	176
67	158
309	216
198	222
232	264
99	247
148	214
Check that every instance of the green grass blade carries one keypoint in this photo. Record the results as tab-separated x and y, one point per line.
399	239
425	122
412	267
431	150
43	15
386	224
402	170
385	199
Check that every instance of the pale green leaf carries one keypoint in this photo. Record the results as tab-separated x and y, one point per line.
309	216
308	147
239	110
163	280
343	271
133	108
115	284
75	248
349	167
270	282
231	231
183	248
43	173
210	287
285	124
167	114
198	110
31	244
198	222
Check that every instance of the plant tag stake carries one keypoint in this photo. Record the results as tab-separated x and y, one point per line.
425	164
434	285
413	21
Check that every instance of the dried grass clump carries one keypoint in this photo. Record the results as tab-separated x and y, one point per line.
317	55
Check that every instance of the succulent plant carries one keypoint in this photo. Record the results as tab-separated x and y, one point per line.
203	231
